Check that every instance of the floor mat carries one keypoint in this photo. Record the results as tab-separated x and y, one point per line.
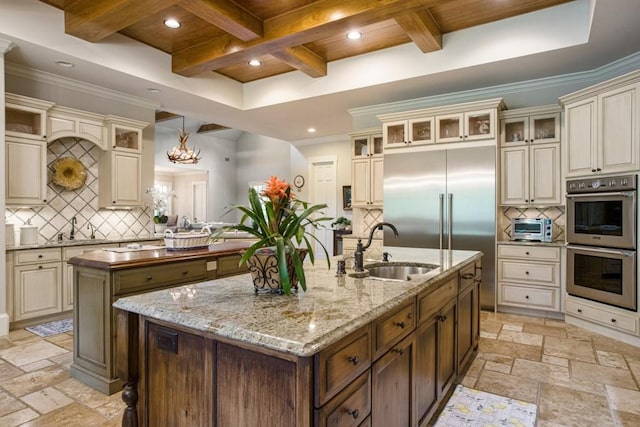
52	328
469	407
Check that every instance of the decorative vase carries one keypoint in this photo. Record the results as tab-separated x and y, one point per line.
160	228
265	272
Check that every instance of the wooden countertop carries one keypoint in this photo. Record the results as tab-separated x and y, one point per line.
304	323
108	260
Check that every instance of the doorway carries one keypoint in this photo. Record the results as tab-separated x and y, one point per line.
323	189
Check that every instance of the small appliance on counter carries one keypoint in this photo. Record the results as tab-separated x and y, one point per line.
532	229
29	234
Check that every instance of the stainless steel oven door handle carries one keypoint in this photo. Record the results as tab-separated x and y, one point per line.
622	252
617	193
441	227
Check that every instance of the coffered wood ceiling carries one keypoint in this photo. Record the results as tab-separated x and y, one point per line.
285	35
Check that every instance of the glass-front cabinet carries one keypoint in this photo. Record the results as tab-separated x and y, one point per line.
125	134
366	145
533	129
466	126
26	117
403	133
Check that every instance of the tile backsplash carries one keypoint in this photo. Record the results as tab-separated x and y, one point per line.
555	213
63	204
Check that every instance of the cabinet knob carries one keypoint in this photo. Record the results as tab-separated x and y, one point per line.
526	200
184	273
399	351
149	277
579	310
354	359
526	272
401	325
526	297
354	413
39	267
527	253
613	320
593	170
467	276
45	200
442	318
40	256
598	169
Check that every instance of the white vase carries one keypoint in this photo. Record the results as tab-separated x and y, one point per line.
160	228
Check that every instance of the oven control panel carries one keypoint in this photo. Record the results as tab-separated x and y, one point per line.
602	184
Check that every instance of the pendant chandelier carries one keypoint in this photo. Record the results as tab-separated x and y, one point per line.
182	154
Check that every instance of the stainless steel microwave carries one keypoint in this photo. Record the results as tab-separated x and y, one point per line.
535	229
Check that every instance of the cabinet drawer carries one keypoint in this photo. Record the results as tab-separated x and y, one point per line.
37	256
340	363
529	297
467	276
528	272
432	302
147	278
391	328
537	253
350	407
603	316
228	266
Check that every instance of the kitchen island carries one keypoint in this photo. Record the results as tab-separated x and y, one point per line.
348	351
101	277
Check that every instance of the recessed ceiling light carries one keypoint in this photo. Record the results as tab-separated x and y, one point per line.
354	35
172	23
65	64
153	90
255	63
311	130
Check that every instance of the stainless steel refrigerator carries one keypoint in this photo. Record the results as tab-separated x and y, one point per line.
444	199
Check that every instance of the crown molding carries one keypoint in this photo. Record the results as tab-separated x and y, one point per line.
320	140
75	85
6	46
584	78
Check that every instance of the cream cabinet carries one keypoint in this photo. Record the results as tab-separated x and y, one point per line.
529	277
120	180
466	126
26	117
601	131
68	122
125	134
538	125
37	281
367	182
471	121
26	172
530	175
402	133
366	144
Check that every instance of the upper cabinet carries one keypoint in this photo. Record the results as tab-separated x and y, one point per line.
601	131
366	144
535	127
26	172
26	117
472	121
124	134
68	122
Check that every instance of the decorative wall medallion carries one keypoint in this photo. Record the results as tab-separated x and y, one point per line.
69	173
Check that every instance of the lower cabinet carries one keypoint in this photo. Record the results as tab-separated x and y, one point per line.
392	385
468	313
37	290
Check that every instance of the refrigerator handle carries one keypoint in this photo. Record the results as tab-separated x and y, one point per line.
450	221
441	218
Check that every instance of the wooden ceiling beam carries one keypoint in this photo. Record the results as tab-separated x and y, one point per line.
211	127
315	21
228	16
93	20
162	116
303	59
422	28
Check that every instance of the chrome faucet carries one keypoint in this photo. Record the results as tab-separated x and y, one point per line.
74	221
360	248
93	230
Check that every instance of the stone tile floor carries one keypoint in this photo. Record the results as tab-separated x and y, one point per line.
576	377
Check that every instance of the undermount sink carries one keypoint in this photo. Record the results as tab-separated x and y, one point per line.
398	271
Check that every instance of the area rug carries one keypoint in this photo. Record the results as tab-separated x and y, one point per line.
469	407
52	328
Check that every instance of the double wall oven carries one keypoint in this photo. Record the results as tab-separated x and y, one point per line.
601	232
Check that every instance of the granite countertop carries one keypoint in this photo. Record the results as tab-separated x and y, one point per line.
142	257
304	323
558	243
